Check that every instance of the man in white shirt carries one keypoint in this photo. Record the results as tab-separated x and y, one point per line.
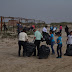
23	38
45	29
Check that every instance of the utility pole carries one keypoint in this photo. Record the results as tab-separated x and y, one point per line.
1	23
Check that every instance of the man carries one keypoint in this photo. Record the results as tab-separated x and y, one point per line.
18	28
37	37
45	29
23	38
67	30
54	29
5	28
51	27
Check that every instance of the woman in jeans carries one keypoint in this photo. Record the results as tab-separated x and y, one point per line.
52	41
59	47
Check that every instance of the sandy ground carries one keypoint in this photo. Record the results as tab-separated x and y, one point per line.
10	62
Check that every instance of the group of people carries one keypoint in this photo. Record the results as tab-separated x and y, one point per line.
20	27
23	38
54	28
59	41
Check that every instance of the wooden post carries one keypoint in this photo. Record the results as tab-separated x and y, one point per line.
1	23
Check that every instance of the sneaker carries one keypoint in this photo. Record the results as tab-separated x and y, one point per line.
60	57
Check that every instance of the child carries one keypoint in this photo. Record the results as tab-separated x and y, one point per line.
52	41
59	47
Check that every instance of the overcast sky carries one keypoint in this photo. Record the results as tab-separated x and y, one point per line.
46	10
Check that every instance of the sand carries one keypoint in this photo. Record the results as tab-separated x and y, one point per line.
10	62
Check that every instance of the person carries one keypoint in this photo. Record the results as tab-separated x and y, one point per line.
33	26
52	41
18	28
44	31
37	37
23	38
59	47
21	27
5	28
51	27
60	28
67	30
69	40
55	29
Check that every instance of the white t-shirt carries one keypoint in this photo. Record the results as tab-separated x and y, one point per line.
23	36
69	39
44	29
54	29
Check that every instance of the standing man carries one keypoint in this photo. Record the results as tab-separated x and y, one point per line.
37	37
67	30
18	28
51	27
44	31
23	38
5	28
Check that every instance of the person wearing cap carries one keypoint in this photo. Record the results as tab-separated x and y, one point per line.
59	46
23	38
37	37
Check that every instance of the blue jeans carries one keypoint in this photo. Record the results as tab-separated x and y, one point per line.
52	44
59	50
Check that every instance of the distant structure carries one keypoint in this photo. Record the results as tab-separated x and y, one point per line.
12	21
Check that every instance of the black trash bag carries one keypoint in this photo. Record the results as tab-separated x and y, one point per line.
56	33
48	42
30	48
44	52
69	50
46	36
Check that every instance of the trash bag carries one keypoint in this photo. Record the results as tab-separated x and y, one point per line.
56	33
48	42
46	36
44	52
30	48
69	50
